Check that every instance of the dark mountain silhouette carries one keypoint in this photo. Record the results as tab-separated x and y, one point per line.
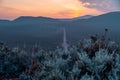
34	19
48	31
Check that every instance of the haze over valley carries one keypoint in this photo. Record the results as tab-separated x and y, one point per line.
48	32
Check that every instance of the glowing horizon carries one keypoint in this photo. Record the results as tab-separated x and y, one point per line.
11	9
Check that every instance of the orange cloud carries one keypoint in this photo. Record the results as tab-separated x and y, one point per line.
48	8
9	13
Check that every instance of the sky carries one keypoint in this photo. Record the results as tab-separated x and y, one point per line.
11	9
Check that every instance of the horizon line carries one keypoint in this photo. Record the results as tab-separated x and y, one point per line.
54	17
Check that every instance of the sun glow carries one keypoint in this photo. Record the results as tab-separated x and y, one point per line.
11	9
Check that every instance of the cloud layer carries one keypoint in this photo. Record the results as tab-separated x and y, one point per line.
103	5
0	1
10	9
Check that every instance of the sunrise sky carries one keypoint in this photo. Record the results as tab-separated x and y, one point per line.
11	9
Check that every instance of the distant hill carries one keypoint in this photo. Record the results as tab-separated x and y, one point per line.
34	19
84	17
78	18
48	31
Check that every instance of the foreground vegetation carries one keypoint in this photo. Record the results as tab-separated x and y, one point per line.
93	59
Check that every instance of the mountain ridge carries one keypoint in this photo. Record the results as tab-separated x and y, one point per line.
48	31
43	17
